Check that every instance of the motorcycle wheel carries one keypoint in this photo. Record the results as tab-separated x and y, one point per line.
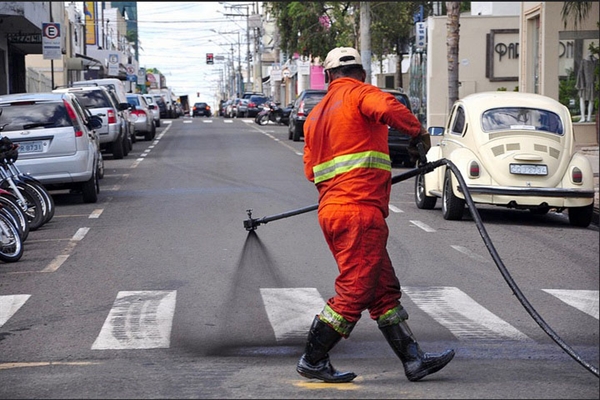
263	120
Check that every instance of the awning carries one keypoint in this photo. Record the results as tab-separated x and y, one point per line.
89	61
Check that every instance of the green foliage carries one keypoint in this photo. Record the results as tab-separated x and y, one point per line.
567	90
302	30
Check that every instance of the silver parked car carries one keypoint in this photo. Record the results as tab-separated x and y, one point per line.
142	117
98	100
57	141
152	104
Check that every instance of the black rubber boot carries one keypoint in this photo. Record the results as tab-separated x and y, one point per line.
314	363
416	363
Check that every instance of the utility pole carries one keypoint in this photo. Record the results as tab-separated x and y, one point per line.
247	15
365	37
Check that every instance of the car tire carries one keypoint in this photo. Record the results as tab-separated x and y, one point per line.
423	201
149	135
91	188
117	149
452	207
158	123
126	145
581	216
100	166
290	132
296	134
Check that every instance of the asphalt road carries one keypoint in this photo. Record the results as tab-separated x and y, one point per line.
158	291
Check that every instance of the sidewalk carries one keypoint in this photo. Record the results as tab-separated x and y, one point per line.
591	152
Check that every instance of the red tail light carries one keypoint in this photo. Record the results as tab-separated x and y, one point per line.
73	116
208	107
473	170
577	175
112	117
301	109
138	112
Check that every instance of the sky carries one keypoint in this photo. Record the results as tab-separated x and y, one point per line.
174	37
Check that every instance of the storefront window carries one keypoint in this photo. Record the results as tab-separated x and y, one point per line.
578	60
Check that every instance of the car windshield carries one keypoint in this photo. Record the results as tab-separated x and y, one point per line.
520	118
18	117
93	99
133	100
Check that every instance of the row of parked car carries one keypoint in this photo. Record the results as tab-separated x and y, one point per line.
63	135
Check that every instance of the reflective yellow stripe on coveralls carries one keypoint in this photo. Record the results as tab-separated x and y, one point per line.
347	162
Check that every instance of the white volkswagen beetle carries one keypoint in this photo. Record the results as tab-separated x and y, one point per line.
514	150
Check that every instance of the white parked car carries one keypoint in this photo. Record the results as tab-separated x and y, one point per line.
97	99
141	116
153	106
57	139
513	150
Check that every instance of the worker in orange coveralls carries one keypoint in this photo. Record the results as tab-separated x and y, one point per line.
346	155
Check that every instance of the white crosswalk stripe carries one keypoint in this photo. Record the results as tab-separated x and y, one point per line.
462	315
10	304
583	300
138	320
291	311
143	319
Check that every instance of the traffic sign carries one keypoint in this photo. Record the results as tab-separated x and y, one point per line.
51	41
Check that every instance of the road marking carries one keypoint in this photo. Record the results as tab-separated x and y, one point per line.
395	209
291	310
96	213
423	226
187	121
583	300
207	121
4	366
462	315
228	121
138	320
60	259
10	304
469	253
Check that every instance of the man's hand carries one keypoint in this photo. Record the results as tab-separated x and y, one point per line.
424	138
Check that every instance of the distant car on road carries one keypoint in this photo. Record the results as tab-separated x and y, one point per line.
142	116
201	109
153	106
305	102
255	104
398	141
514	150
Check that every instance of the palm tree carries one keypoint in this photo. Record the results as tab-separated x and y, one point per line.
577	10
452	40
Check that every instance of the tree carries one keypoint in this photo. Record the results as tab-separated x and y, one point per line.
452	41
392	24
577	11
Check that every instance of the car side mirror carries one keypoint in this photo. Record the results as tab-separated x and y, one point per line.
124	106
95	122
435	131
152	106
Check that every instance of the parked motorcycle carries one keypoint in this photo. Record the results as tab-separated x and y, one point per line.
270	112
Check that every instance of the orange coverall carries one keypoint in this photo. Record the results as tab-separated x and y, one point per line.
346	155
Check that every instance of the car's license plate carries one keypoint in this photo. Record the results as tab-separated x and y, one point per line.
528	169
31	147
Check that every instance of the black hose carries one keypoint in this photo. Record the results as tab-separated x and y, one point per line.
486	239
250	224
